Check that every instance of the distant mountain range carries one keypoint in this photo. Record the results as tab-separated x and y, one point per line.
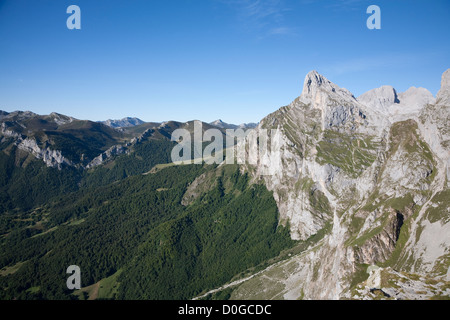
133	121
61	140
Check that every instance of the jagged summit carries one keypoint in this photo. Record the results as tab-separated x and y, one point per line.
338	107
313	80
316	87
319	92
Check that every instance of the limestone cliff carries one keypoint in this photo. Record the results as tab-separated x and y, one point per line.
371	174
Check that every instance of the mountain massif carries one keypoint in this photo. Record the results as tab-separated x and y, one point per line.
356	205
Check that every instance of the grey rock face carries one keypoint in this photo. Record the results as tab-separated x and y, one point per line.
108	154
360	170
8	132
397	107
380	99
337	105
52	158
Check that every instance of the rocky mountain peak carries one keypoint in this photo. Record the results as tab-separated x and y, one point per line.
413	100
312	81
316	87
379	99
338	107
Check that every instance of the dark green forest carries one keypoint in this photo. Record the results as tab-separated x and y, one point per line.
115	218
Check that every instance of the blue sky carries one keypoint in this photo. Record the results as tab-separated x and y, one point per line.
237	60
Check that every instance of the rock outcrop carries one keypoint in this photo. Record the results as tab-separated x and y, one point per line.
52	158
108	154
380	99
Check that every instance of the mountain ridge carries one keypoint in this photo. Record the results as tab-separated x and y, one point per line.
123	123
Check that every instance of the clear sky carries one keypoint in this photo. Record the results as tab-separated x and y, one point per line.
208	59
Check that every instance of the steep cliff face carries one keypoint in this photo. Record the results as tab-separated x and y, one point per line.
329	147
371	174
52	158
